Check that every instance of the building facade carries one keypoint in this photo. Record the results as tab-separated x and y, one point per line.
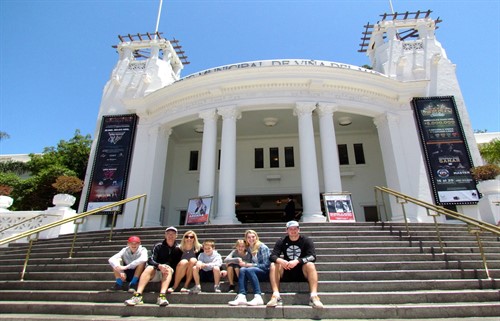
250	134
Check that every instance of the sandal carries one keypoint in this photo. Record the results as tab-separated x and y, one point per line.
170	290
184	290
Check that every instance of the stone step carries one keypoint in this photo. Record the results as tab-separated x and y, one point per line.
339	286
400	297
351	311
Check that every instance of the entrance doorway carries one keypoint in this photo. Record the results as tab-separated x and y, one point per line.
264	208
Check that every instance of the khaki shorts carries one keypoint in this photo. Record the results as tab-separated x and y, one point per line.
158	275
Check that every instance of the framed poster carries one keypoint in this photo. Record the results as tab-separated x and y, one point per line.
108	182
446	151
198	210
339	207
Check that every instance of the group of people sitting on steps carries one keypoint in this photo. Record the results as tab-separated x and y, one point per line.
251	261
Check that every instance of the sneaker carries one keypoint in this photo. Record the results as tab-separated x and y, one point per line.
170	290
231	288
135	300
217	288
162	300
132	288
116	287
257	300
195	289
315	302
239	300
274	302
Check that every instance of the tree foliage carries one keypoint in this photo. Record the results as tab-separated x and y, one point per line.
490	151
69	158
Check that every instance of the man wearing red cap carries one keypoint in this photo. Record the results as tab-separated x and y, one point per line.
128	264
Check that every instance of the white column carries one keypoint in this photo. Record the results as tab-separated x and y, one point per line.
147	174
226	213
329	151
311	201
208	153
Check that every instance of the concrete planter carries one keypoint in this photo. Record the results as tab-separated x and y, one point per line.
63	200
5	203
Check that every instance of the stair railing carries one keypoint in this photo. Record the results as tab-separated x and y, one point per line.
474	226
32	235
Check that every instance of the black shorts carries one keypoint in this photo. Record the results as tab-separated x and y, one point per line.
130	274
293	275
207	276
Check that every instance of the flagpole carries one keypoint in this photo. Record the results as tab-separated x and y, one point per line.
158	19
392	8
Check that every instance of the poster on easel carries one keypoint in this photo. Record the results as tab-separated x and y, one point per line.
339	207
198	210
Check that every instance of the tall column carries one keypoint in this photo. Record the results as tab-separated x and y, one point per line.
226	213
308	165
329	151
208	153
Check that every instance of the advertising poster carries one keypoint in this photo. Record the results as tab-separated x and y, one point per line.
198	210
339	207
446	151
108	182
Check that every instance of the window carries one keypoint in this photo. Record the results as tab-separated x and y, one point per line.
259	157
274	158
359	154
343	156
289	159
193	160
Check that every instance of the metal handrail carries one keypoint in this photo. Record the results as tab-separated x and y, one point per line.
32	235
474	226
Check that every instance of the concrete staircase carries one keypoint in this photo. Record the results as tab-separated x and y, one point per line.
366	271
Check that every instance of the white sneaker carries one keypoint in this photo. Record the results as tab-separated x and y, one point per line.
239	300
257	300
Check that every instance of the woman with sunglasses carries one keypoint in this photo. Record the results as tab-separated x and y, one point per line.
190	249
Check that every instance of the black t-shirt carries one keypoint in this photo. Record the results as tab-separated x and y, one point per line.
302	249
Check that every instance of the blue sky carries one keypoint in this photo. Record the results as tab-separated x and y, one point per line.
56	56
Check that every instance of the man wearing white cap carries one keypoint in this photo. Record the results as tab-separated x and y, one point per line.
161	263
297	264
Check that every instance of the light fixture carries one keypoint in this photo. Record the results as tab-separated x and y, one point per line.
345	121
270	121
198	128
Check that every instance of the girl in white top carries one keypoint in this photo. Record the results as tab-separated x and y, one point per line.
239	254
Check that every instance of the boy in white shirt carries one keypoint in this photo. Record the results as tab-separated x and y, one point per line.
128	264
208	268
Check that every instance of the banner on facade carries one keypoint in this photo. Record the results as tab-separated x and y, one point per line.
108	182
339	207
198	211
446	151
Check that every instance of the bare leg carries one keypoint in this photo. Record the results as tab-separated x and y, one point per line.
189	272
146	276
196	275
274	276
165	280
230	274
309	270
139	269
180	272
216	271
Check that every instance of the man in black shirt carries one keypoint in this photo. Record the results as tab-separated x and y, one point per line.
297	264
165	256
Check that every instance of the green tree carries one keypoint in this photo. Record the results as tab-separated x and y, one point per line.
490	151
69	158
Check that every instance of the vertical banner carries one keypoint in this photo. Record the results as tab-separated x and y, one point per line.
198	211
108	182
446	151
339	207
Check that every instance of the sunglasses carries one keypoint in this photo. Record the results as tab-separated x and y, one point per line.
189	237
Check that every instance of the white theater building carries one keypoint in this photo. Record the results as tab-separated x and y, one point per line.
252	133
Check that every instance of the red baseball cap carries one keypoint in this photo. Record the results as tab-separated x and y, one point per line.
134	239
